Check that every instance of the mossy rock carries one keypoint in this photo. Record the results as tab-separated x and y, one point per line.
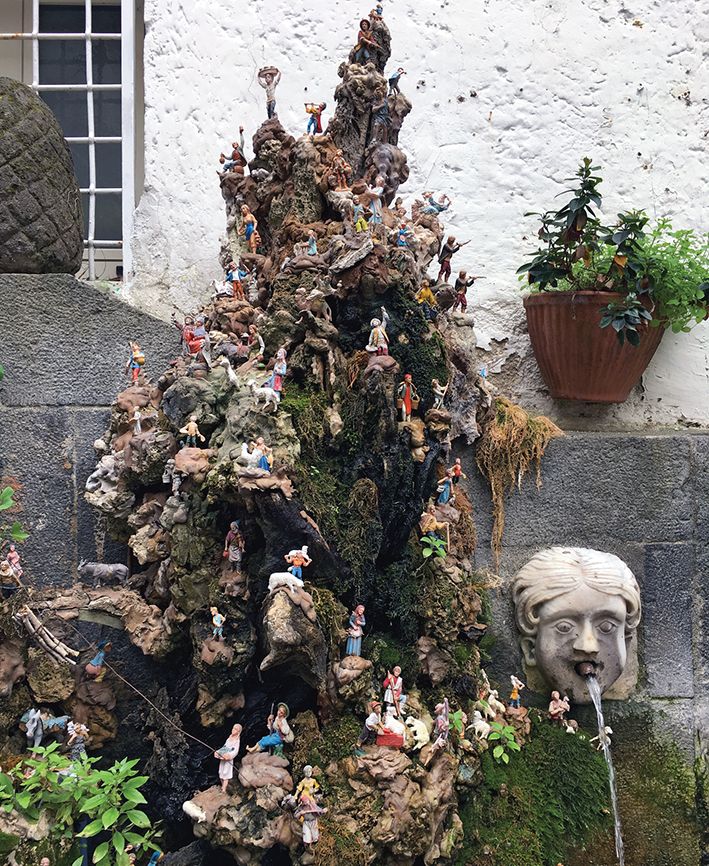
41	226
657	799
550	798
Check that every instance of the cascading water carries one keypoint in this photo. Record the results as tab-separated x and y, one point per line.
595	691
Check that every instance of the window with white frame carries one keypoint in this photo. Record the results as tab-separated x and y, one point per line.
80	58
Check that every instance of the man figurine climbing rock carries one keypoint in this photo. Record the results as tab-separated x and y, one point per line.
191	433
394	80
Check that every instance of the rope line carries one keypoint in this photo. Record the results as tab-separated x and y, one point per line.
144	697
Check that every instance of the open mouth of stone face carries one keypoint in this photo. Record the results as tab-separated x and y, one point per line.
586	668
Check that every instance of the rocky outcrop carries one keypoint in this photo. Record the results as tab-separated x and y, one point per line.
41	226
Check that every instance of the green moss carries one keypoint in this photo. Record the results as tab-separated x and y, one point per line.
385	651
8	842
336	741
549	799
657	799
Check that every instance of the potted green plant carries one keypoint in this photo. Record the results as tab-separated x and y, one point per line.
602	296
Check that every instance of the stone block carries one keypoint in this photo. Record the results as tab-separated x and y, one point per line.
621	488
65	343
666	591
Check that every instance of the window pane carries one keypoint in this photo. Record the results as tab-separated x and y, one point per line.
107	112
108	217
70	110
106	19
80	155
108	165
106	61
62	62
64	18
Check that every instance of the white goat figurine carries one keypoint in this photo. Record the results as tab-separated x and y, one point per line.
233	378
263	392
495	703
480	727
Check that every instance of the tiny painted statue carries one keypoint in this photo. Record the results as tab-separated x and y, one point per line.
558	707
269	77
249	224
355	631
218	621
308	785
393	686
360	221
315	111
234	544
366	46
9	581
227	755
403	235
429	523
307	811
407	398
297	560
460	287
435	207
77	742
376	193
312	243
441	725
278	374
13	557
448	250
427	300
372	725
378	338
446	496
341	170
136	360
279	731
191	433
439	393
394	79
457	470
96	668
516	686
234	280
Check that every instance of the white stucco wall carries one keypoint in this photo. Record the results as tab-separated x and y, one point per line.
508	96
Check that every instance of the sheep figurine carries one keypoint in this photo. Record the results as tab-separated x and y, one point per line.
479	726
418	731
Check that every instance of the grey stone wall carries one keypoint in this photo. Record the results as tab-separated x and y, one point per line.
642	497
64	350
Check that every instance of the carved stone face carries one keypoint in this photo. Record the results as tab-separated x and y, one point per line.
582	629
577	612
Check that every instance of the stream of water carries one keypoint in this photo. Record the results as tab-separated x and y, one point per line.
595	692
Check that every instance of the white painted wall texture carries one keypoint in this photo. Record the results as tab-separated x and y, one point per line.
508	96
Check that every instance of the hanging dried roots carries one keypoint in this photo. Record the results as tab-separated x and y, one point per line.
511	442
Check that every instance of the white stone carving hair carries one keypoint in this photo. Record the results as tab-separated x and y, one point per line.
558	570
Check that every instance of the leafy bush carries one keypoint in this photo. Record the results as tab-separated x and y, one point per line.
72	790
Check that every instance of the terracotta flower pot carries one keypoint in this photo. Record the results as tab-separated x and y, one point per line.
578	359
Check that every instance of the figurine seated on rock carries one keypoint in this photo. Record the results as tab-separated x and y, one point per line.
372	727
279	734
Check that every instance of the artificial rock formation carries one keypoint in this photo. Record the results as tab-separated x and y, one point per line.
329	466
